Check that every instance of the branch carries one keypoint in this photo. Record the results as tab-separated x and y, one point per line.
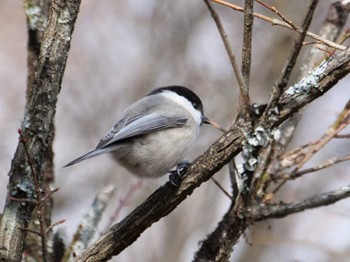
281	210
327	74
247	57
280	85
298	44
327	164
218	246
275	21
37	127
88	225
220	153
241	83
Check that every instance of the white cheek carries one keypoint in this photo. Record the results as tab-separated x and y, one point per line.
196	114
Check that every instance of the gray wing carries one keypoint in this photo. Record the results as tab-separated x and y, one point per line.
140	125
130	127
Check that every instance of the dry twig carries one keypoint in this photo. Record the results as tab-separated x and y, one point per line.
274	21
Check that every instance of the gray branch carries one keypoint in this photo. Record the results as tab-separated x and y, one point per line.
36	127
281	210
220	153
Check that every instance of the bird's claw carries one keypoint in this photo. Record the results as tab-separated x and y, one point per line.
177	175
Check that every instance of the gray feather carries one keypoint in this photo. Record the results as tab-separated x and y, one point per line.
141	126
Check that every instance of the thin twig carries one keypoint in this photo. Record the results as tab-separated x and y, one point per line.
300	157
61	221
201	169
273	9
30	163
275	21
221	188
281	84
341	122
280	210
34	202
30	230
227	46
123	201
40	203
49	194
346	136
327	164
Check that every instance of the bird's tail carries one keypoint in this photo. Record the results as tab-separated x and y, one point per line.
92	153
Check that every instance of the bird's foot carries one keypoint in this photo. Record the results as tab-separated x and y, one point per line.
177	175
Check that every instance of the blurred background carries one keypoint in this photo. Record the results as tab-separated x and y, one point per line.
120	51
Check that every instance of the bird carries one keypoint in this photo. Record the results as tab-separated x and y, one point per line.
155	133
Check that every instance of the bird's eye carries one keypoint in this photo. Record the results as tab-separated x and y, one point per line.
195	105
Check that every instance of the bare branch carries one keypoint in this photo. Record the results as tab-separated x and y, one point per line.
221	188
281	210
241	83
218	246
324	165
247	44
273	9
274	21
123	202
37	126
88	225
220	153
287	70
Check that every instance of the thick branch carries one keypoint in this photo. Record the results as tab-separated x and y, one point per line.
223	150
36	127
311	86
218	246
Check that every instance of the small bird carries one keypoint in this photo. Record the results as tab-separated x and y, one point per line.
155	133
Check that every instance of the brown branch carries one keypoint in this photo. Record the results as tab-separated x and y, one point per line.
220	153
281	84
331	29
123	202
218	246
229	51
324	165
40	201
298	157
346	136
61	221
30	163
342	122
219	243
221	188
284	19
31	231
274	21
37	127
280	210
247	56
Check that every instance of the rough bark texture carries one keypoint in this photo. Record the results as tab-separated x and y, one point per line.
223	150
37	128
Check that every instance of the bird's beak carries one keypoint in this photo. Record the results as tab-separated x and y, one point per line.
206	120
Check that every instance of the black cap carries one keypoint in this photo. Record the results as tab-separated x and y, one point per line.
182	91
